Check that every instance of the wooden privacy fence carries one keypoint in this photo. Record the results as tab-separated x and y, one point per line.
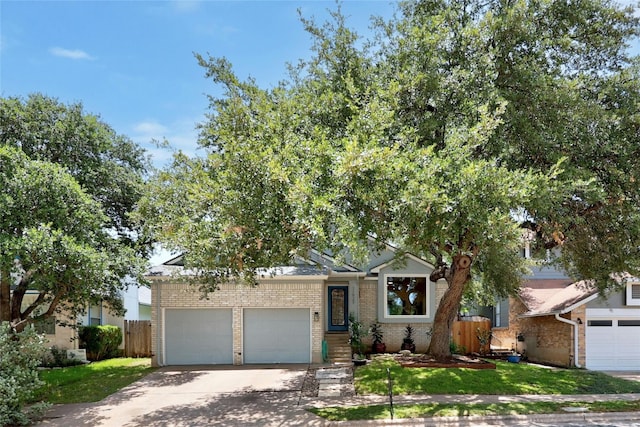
137	338
465	334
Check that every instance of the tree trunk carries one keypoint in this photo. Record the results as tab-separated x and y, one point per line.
5	296
448	307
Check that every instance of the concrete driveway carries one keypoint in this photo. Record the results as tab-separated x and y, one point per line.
625	375
198	396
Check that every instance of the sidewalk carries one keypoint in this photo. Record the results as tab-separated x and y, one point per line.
334	392
464	398
249	396
555	419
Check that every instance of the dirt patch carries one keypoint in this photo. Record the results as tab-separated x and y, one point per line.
425	361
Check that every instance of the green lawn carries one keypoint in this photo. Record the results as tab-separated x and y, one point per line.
423	410
506	379
92	382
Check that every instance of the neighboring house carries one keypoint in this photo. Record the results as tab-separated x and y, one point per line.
559	321
137	301
293	309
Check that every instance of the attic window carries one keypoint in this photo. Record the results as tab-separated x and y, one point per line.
633	293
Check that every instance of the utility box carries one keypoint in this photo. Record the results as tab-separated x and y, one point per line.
79	354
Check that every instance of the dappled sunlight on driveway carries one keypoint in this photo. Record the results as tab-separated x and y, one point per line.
184	397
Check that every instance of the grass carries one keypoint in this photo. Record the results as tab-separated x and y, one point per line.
92	382
506	379
422	410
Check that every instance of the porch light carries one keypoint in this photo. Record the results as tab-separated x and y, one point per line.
316	316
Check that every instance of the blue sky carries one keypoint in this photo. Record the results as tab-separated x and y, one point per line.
132	62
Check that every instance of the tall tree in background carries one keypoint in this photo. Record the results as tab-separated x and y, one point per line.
456	125
67	186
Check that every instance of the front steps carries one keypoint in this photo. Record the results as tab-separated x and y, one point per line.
338	346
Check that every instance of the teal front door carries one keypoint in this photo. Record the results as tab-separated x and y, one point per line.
338	299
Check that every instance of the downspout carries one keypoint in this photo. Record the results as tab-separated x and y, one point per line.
575	337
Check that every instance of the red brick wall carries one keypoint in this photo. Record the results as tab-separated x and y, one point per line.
546	340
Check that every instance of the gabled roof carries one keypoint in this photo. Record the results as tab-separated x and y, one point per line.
550	297
419	260
317	263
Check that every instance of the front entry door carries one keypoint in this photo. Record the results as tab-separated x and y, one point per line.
338	308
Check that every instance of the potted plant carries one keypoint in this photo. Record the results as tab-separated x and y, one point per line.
377	345
356	334
407	341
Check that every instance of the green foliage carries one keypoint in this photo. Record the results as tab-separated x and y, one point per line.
68	185
110	167
20	355
455	126
57	358
101	342
408	335
356	334
457	349
92	382
484	338
376	332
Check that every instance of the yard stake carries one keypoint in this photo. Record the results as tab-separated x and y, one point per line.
390	382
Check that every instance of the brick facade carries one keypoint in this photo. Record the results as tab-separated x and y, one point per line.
279	292
546	339
268	294
394	332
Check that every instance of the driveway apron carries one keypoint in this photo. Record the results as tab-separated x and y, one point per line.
199	396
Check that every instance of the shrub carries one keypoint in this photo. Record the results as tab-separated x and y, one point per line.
20	355
57	358
101	342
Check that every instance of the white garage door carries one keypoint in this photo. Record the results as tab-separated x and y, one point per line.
277	335
198	336
613	344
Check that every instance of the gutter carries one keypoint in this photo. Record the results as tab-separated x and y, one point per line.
575	337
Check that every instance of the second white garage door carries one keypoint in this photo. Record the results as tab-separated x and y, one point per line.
613	343
277	335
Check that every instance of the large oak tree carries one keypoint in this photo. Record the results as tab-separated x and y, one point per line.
455	126
68	183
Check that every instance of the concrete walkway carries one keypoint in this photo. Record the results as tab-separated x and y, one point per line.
334	382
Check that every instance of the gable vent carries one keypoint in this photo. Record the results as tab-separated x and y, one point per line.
633	294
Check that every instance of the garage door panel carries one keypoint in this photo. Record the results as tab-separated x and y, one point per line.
198	336
277	335
613	347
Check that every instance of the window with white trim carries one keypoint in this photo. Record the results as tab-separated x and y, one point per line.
95	315
406	296
633	293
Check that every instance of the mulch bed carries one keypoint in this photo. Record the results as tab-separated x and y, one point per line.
425	361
